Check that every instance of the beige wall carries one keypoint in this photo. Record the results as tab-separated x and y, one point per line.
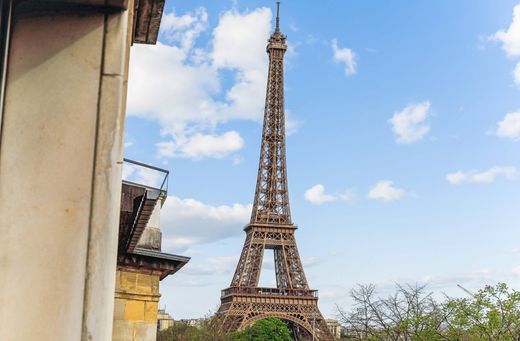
60	152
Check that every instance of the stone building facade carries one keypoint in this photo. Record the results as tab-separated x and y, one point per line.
334	327
164	320
63	84
141	264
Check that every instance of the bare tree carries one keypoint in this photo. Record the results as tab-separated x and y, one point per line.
410	313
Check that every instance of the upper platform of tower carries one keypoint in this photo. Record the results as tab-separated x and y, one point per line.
277	41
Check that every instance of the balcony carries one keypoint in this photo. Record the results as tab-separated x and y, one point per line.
272	292
151	178
143	192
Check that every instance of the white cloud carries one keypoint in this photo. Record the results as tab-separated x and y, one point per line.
509	127
199	146
308	262
184	29
142	175
237	160
385	190
473	280
516	74
181	86
410	124
236	39
451	280
166	88
220	265
334	293
186	222
347	195
447	283
345	56
486	177
510	39
223	265
292	124
243	50
316	195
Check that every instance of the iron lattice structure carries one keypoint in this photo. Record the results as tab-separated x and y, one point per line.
271	227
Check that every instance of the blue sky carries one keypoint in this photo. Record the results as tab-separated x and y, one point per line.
404	130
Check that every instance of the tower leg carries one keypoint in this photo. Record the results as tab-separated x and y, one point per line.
304	320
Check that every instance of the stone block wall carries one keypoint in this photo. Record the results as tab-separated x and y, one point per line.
136	305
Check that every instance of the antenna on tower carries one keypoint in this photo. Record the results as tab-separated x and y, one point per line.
278	16
466	291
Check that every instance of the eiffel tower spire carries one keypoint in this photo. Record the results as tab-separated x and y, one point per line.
278	16
271	204
271	227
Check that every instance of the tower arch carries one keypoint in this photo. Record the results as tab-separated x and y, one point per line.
298	321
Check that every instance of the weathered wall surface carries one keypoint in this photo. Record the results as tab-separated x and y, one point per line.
152	236
60	174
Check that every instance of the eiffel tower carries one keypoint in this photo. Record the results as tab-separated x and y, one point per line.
271	227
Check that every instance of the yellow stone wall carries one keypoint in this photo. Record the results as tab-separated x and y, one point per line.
136	305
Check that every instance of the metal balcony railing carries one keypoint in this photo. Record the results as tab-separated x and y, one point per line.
270	292
150	177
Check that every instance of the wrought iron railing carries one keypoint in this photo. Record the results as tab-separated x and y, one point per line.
270	292
147	176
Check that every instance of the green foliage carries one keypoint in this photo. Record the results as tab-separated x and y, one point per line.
493	313
179	332
411	314
272	329
210	329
